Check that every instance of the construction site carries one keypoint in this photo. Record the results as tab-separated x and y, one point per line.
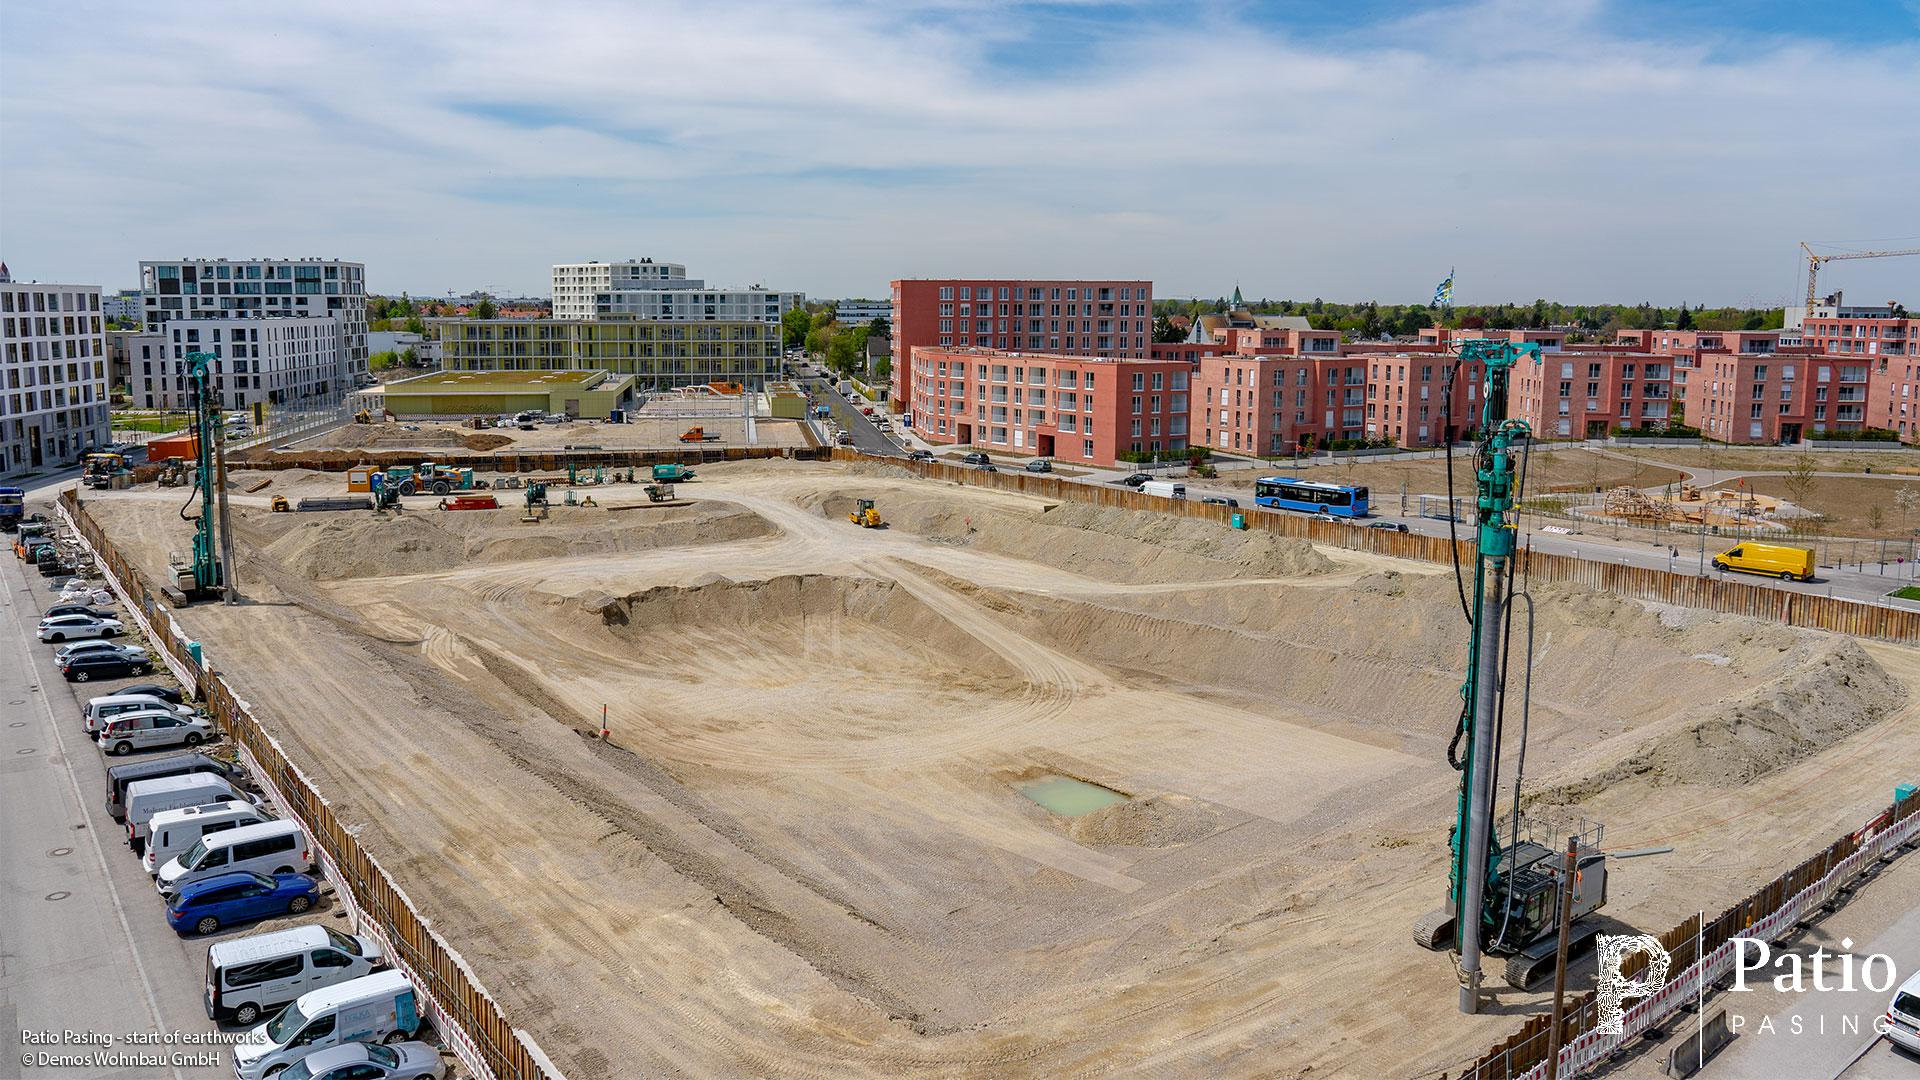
759	779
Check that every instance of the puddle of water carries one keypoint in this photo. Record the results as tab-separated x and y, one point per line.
1068	797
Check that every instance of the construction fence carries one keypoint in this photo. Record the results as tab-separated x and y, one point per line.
1702	954
506	462
462	1012
1631	582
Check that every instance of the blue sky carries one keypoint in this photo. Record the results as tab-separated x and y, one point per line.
1603	150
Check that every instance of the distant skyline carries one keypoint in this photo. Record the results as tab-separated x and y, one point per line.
1581	151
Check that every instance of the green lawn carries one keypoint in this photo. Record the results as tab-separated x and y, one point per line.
158	424
1908	592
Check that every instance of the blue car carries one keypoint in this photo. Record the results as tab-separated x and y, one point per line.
243	896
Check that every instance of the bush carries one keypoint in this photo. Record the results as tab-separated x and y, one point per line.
1361	444
1863	435
1671	431
1189	454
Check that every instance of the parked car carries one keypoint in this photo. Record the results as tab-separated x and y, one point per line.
171	832
85	666
145	730
1040	465
975	458
844	439
89	610
99	645
71	627
204	906
148	798
920	455
121	777
165	693
251	977
1132	481
370	1061
1390	526
1221	500
1901	1025
367	1009
271	847
101	709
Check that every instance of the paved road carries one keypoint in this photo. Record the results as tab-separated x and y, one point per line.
867	438
84	944
1822	1035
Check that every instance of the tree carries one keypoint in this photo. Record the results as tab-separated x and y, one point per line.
1685	321
794	326
1906	500
485	309
883	368
1164	330
415	326
381	361
1800	476
410	358
880	326
1876	517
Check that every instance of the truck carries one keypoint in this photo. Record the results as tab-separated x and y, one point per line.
671	473
13	506
100	468
426	476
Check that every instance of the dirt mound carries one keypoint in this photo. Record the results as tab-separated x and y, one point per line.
1825	689
1132	546
486	441
1157	821
322	547
385	436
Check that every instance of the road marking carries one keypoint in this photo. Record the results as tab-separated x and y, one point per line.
93	834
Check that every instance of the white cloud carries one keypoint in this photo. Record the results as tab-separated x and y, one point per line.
832	147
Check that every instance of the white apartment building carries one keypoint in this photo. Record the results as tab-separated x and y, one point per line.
862	312
277	362
652	291
127	305
53	374
577	285
193	289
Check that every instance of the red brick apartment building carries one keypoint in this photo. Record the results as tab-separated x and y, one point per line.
1059	318
1089	409
1584	394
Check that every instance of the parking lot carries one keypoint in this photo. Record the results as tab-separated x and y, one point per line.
93	981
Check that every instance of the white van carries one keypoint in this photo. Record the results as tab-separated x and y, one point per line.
371	1008
271	847
1901	1024
250	977
174	831
1166	489
146	798
99	709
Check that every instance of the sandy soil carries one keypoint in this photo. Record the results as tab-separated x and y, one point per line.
1847	503
1563	470
1774	459
802	853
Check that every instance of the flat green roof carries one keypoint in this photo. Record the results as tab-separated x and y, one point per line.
455	380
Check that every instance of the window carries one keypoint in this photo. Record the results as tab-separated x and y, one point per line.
283	968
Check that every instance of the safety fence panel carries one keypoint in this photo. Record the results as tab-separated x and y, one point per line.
1701	955
461	1010
1629	582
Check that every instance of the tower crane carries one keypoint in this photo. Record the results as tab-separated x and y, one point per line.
1815	260
1503	898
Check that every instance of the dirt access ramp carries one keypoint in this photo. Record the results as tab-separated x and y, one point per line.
806	853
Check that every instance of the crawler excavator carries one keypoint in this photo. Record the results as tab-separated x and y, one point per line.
1503	897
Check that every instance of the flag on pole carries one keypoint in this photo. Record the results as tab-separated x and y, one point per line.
1443	292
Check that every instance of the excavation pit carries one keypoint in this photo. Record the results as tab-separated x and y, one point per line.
1067	796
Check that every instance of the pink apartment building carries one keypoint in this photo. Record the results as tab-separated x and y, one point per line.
1077	408
1777	398
1059	318
1586	394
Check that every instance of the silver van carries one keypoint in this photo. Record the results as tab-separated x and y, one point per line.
120	776
271	847
174	831
250	977
372	1008
100	709
142	730
146	798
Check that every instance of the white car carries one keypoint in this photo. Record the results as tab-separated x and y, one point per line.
123	734
69	627
98	645
369	1061
1901	1025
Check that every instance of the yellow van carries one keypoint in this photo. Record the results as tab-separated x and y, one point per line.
1772	560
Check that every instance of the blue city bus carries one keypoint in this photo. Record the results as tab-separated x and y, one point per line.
1310	496
13	503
